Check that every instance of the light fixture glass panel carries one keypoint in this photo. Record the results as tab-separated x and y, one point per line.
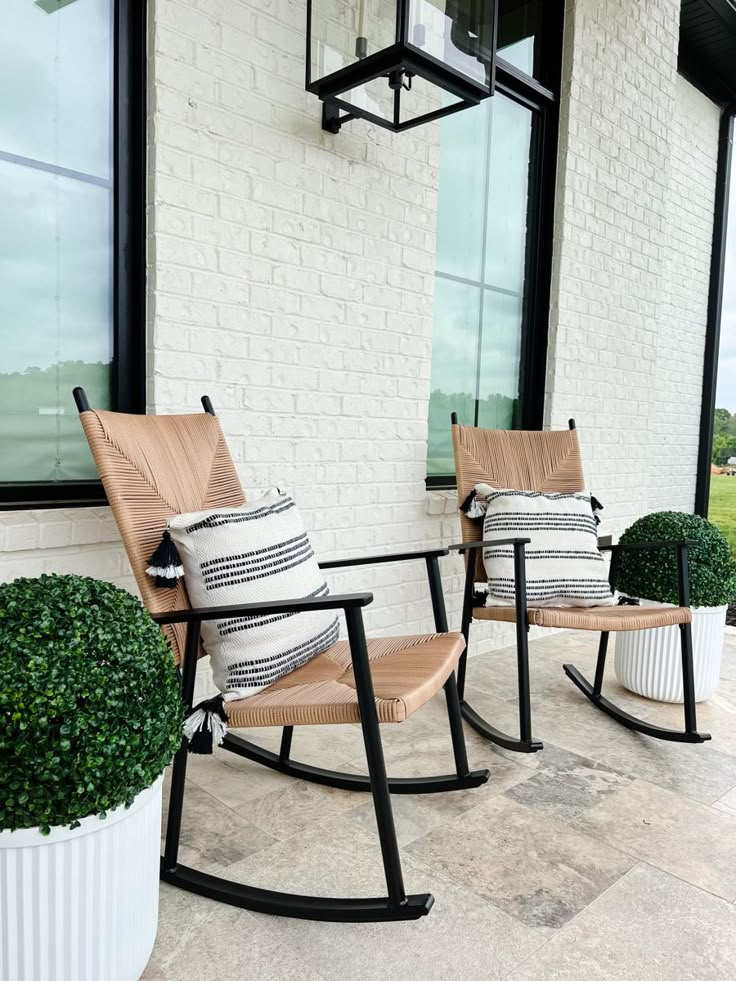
345	31
457	33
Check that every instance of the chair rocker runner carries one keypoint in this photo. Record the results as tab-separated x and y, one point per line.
153	467
550	462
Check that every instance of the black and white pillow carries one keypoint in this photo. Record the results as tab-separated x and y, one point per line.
563	564
256	552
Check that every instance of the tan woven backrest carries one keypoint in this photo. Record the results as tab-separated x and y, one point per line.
153	467
521	460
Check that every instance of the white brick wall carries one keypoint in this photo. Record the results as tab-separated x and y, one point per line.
293	270
84	542
636	185
291	280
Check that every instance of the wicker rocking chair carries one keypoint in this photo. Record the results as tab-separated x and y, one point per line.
153	467
550	462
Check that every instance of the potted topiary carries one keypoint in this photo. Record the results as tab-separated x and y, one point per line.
90	714
648	662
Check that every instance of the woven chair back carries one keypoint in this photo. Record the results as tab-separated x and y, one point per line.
520	460
153	467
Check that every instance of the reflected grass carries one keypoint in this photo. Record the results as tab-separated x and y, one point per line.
722	506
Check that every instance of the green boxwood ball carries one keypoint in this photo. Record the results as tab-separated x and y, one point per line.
652	573
90	706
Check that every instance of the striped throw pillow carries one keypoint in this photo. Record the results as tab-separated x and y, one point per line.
563	564
256	552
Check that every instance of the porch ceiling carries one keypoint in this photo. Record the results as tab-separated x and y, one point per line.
707	45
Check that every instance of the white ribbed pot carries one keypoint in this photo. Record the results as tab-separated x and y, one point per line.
649	662
82	905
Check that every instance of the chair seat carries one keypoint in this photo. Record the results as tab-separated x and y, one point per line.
600	618
406	672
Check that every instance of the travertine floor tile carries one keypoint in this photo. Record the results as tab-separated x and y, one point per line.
537	876
533	867
690	840
649	925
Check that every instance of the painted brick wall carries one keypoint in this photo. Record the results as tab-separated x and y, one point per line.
683	302
293	271
291	279
634	217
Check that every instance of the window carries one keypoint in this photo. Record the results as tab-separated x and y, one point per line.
494	234
715	489
71	282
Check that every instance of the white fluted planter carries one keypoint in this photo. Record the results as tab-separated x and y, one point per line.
649	662
82	905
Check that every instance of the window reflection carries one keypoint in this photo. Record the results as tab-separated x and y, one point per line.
722	500
479	280
56	84
520	34
56	232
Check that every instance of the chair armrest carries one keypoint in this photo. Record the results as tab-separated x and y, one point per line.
685	543
429	553
466	546
430	557
346	601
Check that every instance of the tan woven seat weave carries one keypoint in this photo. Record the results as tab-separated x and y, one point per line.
602	618
153	467
406	673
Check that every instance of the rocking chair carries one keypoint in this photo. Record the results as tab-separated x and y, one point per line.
153	467
550	462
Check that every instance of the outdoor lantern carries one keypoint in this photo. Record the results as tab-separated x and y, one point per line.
399	63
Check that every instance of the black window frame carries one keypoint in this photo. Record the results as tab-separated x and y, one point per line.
724	169
129	266
541	95
707	33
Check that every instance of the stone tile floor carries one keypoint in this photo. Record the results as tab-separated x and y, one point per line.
607	856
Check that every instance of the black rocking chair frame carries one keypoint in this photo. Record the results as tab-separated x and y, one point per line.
462	779
396	905
526	743
690	733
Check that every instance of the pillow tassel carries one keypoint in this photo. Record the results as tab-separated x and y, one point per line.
467	503
475	504
206	725
480	594
165	563
471	508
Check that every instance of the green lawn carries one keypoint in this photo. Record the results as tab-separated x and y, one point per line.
722	506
